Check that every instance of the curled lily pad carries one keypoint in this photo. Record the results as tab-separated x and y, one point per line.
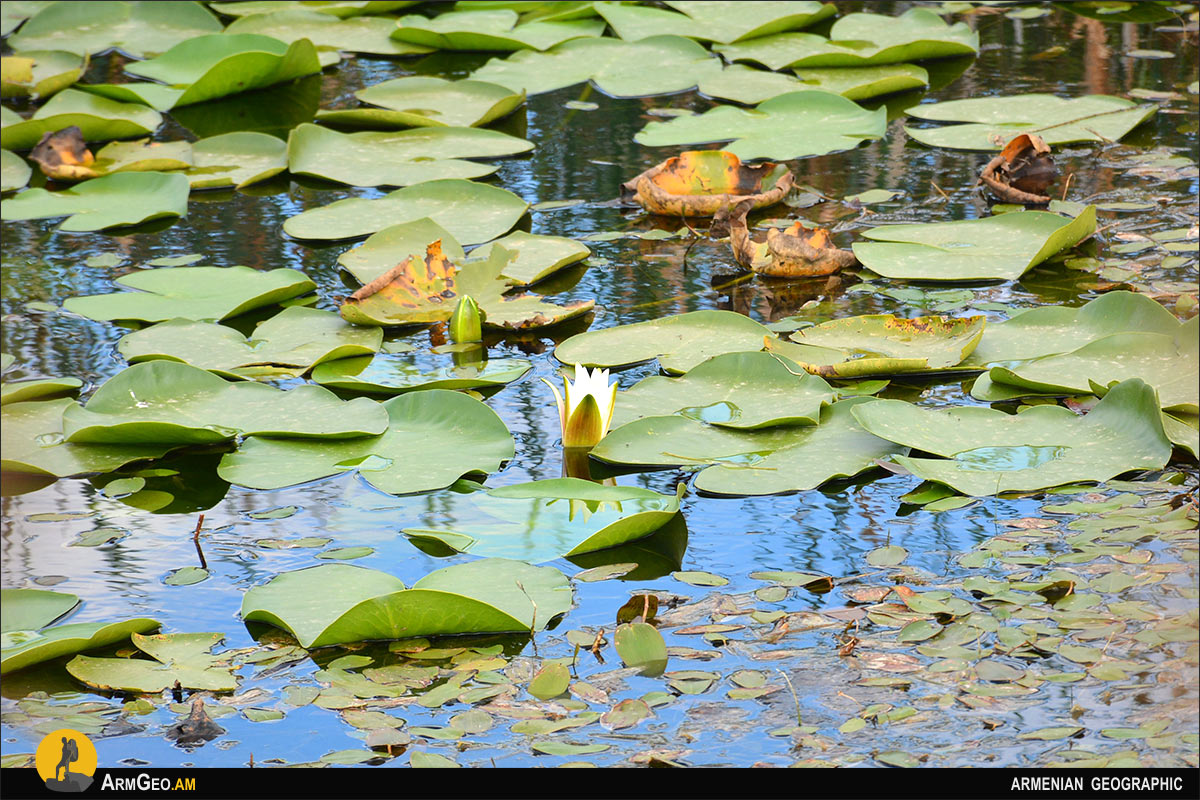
113	201
657	65
199	293
735	462
396	373
34	443
713	21
419	100
1184	431
14	172
38	74
236	159
986	451
796	252
26	648
679	342
182	658
698	183
993	121
397	159
490	29
994	248
543	520
99	119
473	212
166	402
883	344
433	438
293	341
31	609
370	35
38	389
793	125
338	603
736	390
139	29
860	40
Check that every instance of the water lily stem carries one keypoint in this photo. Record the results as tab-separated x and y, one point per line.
196	541
792	689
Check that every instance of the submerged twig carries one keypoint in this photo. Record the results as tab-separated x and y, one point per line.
196	541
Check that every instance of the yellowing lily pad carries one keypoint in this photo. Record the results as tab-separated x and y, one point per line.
699	183
38	74
182	658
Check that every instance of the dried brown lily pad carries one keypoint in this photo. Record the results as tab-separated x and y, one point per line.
792	253
699	183
197	729
63	155
1022	172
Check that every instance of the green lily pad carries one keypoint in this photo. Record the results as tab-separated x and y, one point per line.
98	118
987	452
341	9
490	29
38	389
178	657
1184	431
535	257
550	681
473	212
793	125
544	520
141	156
639	644
713	21
14	171
29	647
433	439
994	121
166	402
748	86
888	556
1048	330
384	250
118	200
419	100
139	29
237	159
769	461
339	603
398	373
38	74
198	293
679	342
657	65
292	342
735	390
994	248
861	40
369	35
1170	364
882	344
34	443
15	12
397	159
31	609
186	576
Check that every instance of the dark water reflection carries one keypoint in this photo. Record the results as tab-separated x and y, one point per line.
580	155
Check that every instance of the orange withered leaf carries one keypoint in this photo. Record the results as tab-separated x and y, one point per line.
699	183
63	155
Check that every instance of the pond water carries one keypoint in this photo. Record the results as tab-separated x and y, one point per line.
954	716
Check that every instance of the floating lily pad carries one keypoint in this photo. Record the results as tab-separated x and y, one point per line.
178	657
112	201
38	74
198	293
13	13
34	443
805	123
292	342
473	212
14	171
1184	431
338	603
861	40
433	439
38	389
397	159
139	29
735	390
397	373
166	402
639	644
420	100
713	21
237	159
534	257
987	452
34	647
490	29
544	520
749	86
31	609
993	248
341	9
679	342
882	344
369	35
98	118
769	461
994	121
657	65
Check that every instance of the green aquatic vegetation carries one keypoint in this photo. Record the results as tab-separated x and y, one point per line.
341	9
14	171
488	29
21	391
420	101
118	200
397	373
713	22
98	118
138	29
238	159
358	34
38	74
178	658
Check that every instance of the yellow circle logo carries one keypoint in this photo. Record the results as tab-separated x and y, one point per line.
66	761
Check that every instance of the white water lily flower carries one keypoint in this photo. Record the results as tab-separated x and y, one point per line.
587	410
